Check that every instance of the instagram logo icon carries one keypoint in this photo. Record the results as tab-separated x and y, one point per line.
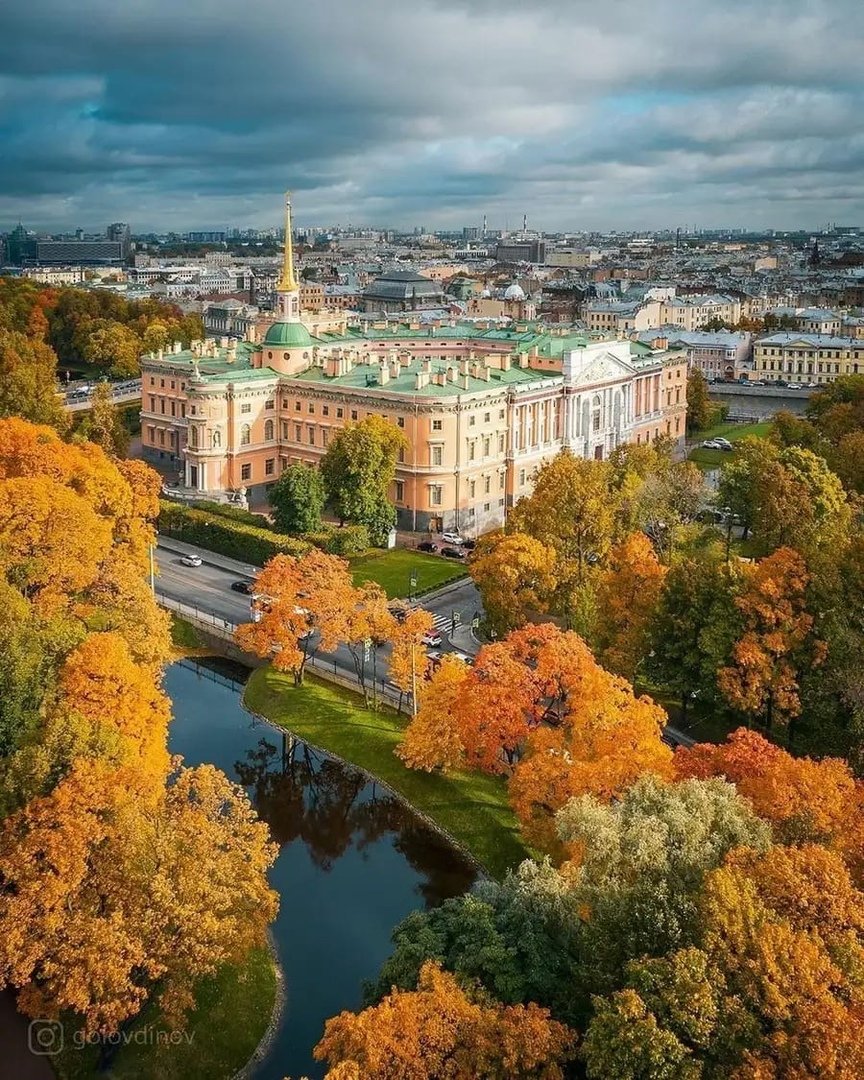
45	1036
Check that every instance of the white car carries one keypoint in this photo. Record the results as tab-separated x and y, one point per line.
452	538
433	639
711	444
191	560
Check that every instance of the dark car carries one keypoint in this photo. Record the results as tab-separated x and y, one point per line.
469	545
246	587
427	545
452	553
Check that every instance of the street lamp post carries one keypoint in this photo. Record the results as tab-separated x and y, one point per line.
727	510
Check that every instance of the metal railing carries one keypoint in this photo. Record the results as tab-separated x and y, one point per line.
209	619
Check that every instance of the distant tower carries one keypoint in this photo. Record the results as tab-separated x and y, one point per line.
524	223
484	226
288	289
815	257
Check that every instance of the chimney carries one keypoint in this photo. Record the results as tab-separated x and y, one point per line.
475	370
223	342
177	347
420	380
231	352
405	359
465	381
160	354
394	369
383	375
485	373
426	365
523	360
452	372
505	362
463	367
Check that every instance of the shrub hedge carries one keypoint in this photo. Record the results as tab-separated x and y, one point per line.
237	540
230	531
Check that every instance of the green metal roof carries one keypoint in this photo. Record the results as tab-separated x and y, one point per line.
365	376
288	335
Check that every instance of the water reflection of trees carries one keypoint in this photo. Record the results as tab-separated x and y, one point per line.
305	795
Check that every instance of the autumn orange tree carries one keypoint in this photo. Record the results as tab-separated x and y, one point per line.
106	898
409	662
442	1030
304	606
122	876
433	739
367	625
627	598
538	707
803	799
762	677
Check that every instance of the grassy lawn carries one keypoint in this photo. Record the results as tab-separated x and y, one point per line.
392	570
471	807
711	459
231	1014
183	634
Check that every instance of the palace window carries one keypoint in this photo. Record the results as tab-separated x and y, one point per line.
310	430
353	414
298	406
246	407
472	487
270	404
216	439
340	412
435	492
437	425
311	406
268	431
400	421
269	466
246	471
245	435
325	410
400	491
298	433
437	455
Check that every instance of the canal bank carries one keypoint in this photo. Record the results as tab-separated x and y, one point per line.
354	860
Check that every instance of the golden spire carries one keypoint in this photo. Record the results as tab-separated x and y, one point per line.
288	282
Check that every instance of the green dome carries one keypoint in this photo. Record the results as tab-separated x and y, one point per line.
288	335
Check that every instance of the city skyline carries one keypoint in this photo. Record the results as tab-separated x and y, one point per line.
582	118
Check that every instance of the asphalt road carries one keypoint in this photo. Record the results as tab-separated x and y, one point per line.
208	588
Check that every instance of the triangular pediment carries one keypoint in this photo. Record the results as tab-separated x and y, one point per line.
604	368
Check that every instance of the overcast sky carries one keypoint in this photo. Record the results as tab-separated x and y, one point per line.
177	114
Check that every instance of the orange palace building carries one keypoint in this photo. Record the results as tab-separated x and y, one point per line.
482	407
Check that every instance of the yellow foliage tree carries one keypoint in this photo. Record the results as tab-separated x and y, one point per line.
515	574
433	739
627	598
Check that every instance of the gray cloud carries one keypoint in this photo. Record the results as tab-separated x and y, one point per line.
628	114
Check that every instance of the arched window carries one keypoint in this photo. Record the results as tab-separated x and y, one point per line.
268	431
193	437
216	438
245	435
595	413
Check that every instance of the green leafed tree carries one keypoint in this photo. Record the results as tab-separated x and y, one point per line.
114	347
103	425
358	470
28	379
297	499
699	408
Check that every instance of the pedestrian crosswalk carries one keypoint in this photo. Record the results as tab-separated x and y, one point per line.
441	623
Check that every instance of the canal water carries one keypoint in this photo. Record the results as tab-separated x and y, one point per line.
353	861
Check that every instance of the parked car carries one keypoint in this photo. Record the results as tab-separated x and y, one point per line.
427	545
711	444
191	560
433	639
452	553
452	538
246	587
794	386
469	545
724	444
